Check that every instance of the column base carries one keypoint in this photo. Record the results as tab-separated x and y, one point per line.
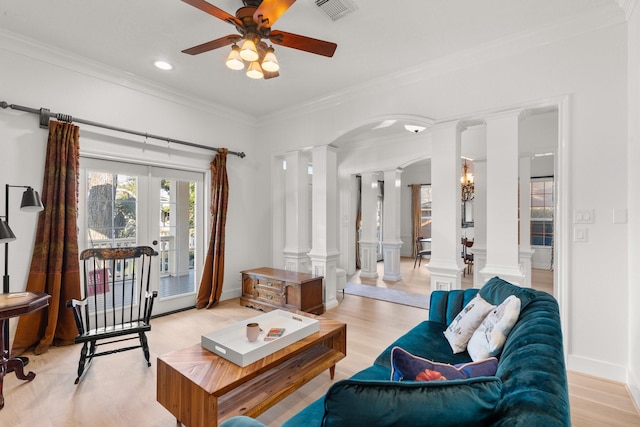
511	274
445	276
297	261
526	254
326	266
479	262
368	260
391	253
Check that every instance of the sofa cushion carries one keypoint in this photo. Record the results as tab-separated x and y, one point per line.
424	340
407	367
311	415
466	322
387	403
488	340
496	290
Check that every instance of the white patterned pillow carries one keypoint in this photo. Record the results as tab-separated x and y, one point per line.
466	322
489	338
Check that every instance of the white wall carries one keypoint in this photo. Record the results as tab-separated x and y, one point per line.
37	78
591	70
634	202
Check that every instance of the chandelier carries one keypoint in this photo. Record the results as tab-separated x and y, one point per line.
466	183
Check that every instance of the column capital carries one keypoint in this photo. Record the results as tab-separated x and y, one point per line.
326	147
457	124
518	114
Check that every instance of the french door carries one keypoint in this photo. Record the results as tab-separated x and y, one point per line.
126	204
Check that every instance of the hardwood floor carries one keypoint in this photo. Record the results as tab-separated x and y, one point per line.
119	390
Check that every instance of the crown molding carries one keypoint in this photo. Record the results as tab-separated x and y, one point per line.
39	51
628	6
603	17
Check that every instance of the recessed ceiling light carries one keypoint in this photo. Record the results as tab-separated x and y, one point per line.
414	128
163	65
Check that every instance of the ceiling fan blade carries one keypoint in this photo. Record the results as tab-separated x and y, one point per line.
214	11
213	44
270	74
270	10
307	44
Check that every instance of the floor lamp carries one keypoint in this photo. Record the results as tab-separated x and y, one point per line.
31	203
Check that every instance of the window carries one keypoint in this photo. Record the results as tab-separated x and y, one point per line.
425	211
542	211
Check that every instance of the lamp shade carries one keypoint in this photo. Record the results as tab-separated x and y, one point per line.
31	201
270	62
234	61
248	51
255	71
6	235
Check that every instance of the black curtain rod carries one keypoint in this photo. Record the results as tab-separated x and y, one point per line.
45	114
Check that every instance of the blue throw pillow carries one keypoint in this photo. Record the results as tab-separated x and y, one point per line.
407	367
467	402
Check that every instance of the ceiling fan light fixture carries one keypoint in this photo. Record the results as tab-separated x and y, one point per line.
255	71
234	61
270	62
248	51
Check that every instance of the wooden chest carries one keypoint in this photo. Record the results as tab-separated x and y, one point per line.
268	288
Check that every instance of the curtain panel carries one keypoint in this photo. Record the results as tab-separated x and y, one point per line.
213	272
54	264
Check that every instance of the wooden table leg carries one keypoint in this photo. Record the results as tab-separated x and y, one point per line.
332	371
7	365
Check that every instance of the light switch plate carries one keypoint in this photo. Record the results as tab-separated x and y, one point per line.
583	216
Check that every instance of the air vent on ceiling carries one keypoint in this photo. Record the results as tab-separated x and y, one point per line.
336	9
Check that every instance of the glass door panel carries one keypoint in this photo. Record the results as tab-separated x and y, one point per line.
177	210
124	204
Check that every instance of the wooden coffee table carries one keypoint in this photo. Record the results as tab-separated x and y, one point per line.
201	388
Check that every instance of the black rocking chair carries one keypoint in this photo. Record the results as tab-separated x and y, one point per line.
116	303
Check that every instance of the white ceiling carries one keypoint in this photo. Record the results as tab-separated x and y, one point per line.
380	38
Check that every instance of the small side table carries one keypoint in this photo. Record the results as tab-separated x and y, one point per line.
15	304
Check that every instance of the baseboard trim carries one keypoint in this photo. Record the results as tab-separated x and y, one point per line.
598	368
634	388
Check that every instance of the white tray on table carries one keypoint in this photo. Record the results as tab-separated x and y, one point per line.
232	344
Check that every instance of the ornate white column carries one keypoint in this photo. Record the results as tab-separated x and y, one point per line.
368	239
479	220
526	252
324	220
502	198
391	241
297	206
446	264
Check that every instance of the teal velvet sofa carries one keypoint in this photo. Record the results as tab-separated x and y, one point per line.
528	389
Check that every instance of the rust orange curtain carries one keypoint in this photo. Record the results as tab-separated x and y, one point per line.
416	215
213	273
54	264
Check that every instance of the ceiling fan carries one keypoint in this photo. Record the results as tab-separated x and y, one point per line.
253	22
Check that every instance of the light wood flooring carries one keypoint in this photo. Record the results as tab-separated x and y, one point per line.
119	390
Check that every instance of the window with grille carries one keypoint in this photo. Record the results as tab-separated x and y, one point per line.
542	225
